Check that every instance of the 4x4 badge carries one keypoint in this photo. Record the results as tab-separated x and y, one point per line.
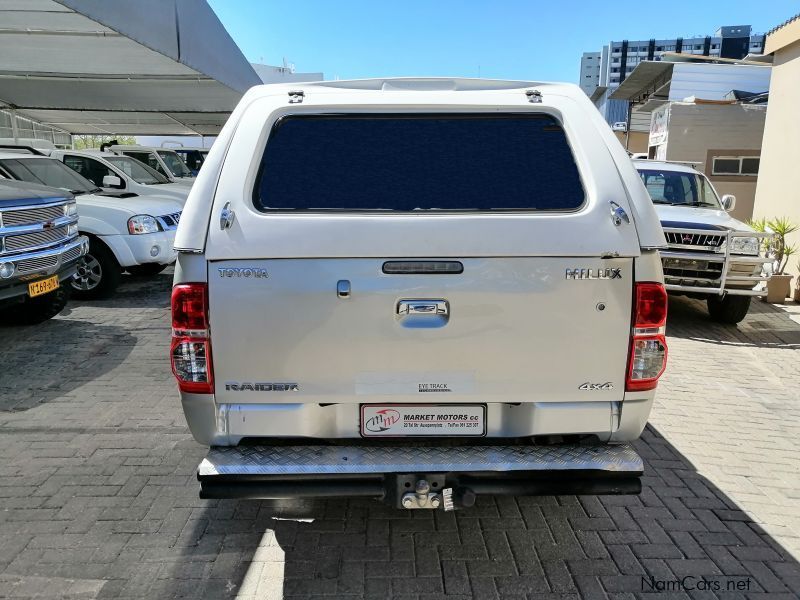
596	387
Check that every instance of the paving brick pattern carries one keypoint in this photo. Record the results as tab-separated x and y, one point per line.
98	497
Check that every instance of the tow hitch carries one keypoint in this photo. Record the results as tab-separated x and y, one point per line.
431	492
422	497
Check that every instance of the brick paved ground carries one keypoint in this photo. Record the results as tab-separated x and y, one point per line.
98	497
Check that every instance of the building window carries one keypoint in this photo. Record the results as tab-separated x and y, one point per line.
714	46
615	70
698	47
735	165
659	48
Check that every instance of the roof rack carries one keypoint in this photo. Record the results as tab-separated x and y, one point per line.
688	163
30	149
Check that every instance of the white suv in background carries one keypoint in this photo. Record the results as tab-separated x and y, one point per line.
114	172
164	160
137	237
710	254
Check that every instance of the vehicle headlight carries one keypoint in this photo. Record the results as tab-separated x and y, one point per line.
745	245
71	209
142	224
6	270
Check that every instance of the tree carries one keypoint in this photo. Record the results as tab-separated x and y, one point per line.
85	142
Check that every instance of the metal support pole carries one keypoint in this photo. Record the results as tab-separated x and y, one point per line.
628	125
14	126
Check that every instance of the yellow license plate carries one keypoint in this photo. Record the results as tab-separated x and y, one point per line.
43	286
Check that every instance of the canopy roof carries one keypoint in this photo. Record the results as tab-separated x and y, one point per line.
646	79
141	67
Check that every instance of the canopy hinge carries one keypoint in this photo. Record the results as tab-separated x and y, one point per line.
534	96
296	96
618	214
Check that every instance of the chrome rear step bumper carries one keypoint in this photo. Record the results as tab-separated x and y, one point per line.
279	472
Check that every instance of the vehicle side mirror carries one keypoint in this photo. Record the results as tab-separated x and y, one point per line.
728	202
112	181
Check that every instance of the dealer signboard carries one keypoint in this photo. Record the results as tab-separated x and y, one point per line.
659	126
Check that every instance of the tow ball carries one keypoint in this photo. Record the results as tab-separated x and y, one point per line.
422	497
429	491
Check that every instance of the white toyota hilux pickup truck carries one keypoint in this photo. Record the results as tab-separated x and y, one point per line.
418	290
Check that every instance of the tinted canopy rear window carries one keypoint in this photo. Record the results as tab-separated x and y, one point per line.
418	162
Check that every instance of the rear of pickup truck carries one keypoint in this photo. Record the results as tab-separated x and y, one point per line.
420	291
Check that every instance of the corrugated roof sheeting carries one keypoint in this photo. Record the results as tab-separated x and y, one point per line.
712	82
72	62
663	81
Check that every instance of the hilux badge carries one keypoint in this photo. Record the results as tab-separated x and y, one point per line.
594	273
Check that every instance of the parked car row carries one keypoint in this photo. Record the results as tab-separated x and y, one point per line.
74	221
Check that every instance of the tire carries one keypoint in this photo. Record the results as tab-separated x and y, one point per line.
730	309
39	309
98	273
146	270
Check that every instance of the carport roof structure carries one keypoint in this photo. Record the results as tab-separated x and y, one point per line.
140	67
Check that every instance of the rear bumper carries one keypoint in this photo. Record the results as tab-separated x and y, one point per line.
227	424
388	472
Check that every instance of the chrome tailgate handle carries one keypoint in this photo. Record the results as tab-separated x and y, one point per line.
423	307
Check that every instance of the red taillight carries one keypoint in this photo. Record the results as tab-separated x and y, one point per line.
189	307
190	351
648	356
651	305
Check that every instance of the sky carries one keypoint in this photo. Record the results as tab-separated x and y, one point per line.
503	39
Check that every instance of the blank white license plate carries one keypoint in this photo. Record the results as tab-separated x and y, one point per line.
393	420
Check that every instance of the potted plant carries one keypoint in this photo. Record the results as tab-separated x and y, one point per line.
776	247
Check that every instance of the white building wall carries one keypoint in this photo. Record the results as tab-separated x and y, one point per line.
713	81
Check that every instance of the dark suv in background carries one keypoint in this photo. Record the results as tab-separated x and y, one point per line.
39	250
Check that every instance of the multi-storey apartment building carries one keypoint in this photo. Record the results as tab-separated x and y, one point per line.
590	72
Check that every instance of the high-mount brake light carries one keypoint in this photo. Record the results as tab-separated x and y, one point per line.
190	351
648	356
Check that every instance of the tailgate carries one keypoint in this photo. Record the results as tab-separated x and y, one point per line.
342	330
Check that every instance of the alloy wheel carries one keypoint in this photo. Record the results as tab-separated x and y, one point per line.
88	275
